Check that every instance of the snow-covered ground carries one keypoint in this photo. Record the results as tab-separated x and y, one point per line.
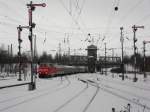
100	93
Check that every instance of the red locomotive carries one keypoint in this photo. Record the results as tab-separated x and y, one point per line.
51	70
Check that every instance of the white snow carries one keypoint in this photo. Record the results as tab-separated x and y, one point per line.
72	95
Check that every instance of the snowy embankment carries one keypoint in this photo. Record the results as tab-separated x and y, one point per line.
71	95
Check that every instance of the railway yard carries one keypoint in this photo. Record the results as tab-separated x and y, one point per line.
74	56
78	93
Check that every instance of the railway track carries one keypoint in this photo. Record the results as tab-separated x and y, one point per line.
77	95
126	92
125	84
71	99
20	96
108	90
91	100
41	93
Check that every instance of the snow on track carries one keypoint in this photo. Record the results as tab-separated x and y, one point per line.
101	94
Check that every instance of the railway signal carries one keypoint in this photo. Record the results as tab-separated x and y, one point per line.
19	28
31	8
135	28
144	58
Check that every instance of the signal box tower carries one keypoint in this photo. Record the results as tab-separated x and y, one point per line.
92	57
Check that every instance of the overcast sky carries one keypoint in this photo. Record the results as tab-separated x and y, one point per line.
74	20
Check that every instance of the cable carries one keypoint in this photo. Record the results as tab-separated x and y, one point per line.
75	21
5	5
80	8
143	19
130	11
110	20
7	24
11	19
79	13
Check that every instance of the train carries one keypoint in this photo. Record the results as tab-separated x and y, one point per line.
47	70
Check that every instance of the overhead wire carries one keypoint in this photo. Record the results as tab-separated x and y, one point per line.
113	14
78	10
143	19
8	24
129	12
79	13
77	4
76	22
5	5
118	2
88	38
109	22
54	31
9	19
73	16
8	33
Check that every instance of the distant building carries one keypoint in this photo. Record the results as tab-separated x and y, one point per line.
78	60
110	61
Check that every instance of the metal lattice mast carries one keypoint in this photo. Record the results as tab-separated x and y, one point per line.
122	52
135	28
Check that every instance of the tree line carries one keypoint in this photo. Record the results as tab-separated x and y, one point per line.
129	60
5	58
